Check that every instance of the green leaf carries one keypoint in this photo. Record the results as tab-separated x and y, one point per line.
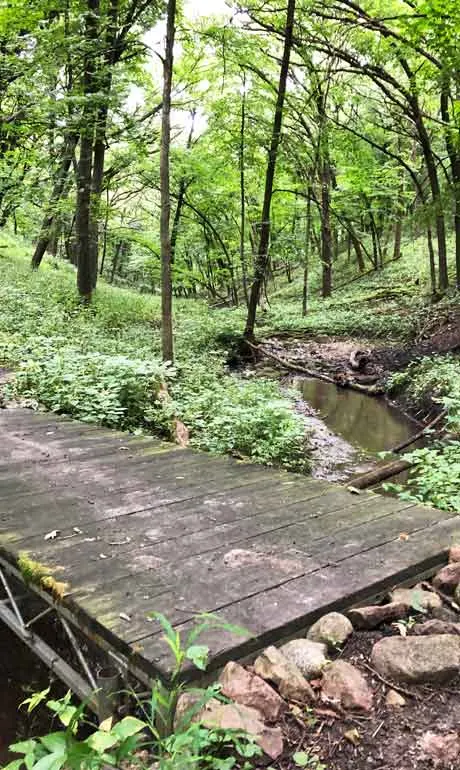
198	654
24	747
101	741
127	727
55	742
51	762
14	765
302	759
35	700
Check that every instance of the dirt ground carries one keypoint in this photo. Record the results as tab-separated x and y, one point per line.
388	739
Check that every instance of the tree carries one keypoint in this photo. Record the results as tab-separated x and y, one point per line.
165	217
262	258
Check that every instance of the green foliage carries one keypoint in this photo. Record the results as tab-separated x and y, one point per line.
101	364
111	390
189	746
433	379
434	477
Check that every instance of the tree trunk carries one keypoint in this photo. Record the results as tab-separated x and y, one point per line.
85	271
181	195
70	143
262	257
326	232
307	254
166	256
454	159
244	269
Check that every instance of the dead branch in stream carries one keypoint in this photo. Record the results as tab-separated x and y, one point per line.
293	367
379	474
417	436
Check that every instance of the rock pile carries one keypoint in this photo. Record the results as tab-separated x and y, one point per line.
306	673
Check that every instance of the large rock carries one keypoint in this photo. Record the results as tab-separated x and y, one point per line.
332	629
274	667
436	627
374	615
229	716
416	599
417	659
448	577
344	686
442	750
250	690
309	657
234	716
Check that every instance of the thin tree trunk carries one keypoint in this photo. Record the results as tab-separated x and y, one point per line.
262	258
181	195
398	238
166	256
244	269
326	232
432	260
307	254
454	158
70	143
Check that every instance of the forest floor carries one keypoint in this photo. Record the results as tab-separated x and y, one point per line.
386	739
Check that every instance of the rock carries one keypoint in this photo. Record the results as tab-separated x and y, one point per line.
394	700
442	750
417	659
230	716
250	690
344	686
332	629
373	616
274	667
437	627
234	716
457	594
188	708
416	598
448	577
446	614
454	554
309	657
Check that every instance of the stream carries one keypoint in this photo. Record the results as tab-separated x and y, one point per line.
348	428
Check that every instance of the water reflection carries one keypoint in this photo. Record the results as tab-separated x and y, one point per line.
369	424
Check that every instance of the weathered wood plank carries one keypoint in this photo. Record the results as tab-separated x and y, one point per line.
279	612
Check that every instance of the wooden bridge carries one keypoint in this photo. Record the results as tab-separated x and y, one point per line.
106	527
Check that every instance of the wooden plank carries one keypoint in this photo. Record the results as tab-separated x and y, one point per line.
21	516
141	466
300	602
208	581
202	513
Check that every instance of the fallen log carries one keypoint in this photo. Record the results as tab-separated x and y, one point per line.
379	474
371	390
417	436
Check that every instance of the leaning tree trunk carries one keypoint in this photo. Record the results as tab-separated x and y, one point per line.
454	158
262	257
166	255
70	143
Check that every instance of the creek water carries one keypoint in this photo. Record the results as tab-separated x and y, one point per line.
349	428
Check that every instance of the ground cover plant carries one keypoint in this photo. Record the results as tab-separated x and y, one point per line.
102	364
